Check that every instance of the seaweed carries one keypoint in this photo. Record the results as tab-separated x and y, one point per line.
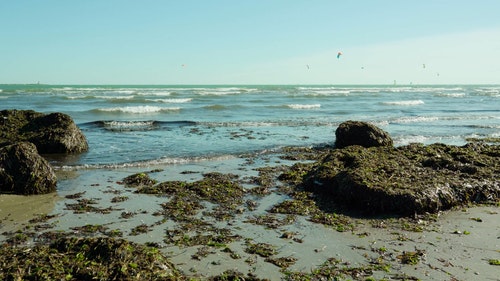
86	259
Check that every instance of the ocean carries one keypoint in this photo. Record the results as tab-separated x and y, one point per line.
134	126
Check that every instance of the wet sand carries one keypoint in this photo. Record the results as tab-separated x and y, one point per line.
17	210
454	244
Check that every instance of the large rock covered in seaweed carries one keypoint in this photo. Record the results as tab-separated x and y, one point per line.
408	179
51	133
24	171
361	133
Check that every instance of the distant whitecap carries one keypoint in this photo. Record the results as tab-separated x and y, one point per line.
171	100
404	103
139	109
304	106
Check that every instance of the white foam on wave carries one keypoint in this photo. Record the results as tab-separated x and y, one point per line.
241	124
329	92
115	97
146	163
223	91
326	90
413	119
380	123
127	123
404	140
303	106
404	102
128	92
139	109
155	93
452	95
398	90
283	123
492	92
171	100
218	93
362	90
76	89
435	89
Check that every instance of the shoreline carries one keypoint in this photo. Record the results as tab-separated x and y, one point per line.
454	244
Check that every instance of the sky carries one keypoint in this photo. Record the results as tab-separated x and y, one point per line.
250	42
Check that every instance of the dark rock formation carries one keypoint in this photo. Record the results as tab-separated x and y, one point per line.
51	133
409	179
24	171
24	134
361	133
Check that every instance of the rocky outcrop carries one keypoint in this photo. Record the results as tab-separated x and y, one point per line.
361	133
24	171
51	133
24	134
409	179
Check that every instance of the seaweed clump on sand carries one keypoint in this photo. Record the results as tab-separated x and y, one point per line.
139	180
185	201
217	188
86	259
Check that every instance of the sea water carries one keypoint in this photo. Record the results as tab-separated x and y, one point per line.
133	126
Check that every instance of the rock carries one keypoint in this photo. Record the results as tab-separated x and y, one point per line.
51	133
409	179
24	171
24	133
361	133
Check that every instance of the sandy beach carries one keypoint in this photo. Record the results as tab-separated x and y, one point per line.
452	245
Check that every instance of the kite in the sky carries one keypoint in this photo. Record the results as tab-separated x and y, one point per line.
339	54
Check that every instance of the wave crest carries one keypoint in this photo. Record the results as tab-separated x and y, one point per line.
405	102
143	109
303	106
171	100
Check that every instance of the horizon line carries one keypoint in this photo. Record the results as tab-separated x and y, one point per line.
252	84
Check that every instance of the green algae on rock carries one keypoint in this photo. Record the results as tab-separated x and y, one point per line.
409	179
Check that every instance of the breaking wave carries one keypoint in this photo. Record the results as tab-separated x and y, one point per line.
404	103
303	106
145	109
147	125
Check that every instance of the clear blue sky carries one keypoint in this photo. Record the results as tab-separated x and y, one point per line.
250	42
